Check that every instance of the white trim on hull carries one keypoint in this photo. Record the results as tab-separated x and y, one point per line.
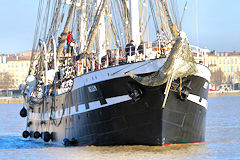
97	105
81	108
198	100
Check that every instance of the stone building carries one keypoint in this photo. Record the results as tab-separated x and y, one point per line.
229	64
17	66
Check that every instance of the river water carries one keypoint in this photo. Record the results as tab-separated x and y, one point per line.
222	139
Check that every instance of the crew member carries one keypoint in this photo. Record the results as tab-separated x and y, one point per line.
130	48
162	50
69	41
140	50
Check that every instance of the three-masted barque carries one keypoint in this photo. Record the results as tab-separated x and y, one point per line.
90	90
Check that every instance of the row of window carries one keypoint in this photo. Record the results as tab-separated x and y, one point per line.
15	73
230	78
18	83
225	61
18	65
228	69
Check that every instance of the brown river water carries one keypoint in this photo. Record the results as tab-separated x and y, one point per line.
222	139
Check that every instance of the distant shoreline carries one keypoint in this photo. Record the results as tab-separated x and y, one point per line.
223	93
10	100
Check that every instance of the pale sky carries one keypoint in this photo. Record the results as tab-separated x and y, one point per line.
218	24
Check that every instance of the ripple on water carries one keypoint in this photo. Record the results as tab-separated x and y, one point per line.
222	139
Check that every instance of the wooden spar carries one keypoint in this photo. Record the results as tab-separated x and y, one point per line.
66	29
168	20
57	13
142	9
134	23
126	18
112	27
93	31
53	29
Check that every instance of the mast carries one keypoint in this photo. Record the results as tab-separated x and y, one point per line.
94	27
134	21
100	40
142	8
168	20
83	21
126	19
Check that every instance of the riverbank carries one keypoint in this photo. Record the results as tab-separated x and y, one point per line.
223	93
8	100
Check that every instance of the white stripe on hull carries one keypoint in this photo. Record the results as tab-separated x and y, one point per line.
81	109
97	105
198	100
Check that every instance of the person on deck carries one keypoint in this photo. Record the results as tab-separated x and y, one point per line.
140	48
140	51
162	49
69	41
130	49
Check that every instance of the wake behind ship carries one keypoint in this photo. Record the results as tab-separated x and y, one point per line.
91	92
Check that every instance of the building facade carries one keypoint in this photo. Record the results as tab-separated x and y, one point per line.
229	64
16	66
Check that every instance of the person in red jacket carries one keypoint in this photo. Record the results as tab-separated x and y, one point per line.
69	41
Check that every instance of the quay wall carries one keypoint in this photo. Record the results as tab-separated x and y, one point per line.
8	100
223	93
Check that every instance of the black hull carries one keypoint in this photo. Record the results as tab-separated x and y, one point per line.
108	116
185	121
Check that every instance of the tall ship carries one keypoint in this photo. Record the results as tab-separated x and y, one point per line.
85	86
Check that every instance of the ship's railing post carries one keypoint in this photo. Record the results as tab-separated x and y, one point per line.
144	52
144	55
130	55
87	69
159	48
117	57
82	70
92	64
107	61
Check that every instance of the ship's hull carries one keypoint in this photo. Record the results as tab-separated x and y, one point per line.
120	111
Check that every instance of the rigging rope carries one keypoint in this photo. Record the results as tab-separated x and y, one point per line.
154	17
34	48
45	22
197	22
171	4
93	29
54	16
184	10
